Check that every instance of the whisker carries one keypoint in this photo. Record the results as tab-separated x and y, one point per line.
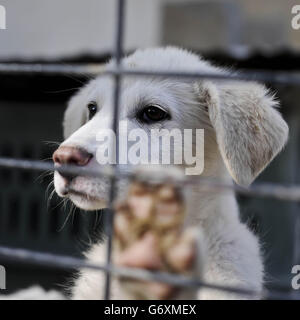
60	202
55	143
98	219
51	183
50	198
46	159
63	90
65	222
65	204
77	80
42	176
73	214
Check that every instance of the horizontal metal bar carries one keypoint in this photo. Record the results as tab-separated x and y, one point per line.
37	165
68	262
279	77
262	190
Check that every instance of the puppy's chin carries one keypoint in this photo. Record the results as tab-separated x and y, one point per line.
87	194
88	203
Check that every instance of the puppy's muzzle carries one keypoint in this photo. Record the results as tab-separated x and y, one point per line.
65	155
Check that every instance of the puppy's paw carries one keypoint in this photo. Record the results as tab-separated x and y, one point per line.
149	235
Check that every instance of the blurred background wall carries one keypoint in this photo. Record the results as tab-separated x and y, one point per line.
42	28
248	34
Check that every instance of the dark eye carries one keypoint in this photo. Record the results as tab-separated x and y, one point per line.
152	114
93	108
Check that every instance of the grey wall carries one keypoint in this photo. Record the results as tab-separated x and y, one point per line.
54	28
43	28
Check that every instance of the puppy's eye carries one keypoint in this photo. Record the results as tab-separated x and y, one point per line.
152	114
93	108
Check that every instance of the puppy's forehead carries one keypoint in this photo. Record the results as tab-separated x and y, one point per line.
136	89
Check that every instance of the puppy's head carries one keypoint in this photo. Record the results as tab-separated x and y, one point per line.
243	131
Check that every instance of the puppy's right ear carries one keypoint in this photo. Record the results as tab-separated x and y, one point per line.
75	114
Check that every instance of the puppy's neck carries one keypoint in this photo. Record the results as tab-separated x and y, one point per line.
209	205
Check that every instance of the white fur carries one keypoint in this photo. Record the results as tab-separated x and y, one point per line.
243	133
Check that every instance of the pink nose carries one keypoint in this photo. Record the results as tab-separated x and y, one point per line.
70	155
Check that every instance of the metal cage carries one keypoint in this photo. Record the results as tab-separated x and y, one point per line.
274	191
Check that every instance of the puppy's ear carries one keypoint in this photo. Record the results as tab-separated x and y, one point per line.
75	114
249	130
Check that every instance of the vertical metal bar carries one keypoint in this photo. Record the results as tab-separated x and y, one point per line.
115	126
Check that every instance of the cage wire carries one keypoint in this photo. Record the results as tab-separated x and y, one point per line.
276	191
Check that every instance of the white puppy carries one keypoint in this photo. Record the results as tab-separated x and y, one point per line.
243	133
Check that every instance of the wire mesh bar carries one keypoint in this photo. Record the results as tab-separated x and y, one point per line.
115	127
68	262
281	77
276	77
262	190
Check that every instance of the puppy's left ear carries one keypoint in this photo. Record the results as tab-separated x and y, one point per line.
249	130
